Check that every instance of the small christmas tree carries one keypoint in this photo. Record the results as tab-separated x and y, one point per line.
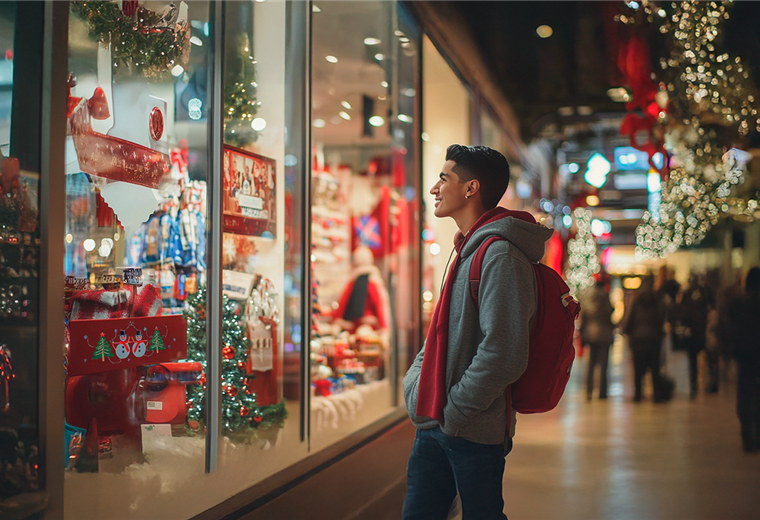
240	412
156	343
102	349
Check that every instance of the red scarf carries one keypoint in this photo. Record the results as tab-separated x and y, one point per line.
431	396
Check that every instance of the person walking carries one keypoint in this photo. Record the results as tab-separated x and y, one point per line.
597	333
643	325
746	350
455	389
691	326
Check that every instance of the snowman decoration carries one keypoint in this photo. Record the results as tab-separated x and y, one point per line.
139	345
122	346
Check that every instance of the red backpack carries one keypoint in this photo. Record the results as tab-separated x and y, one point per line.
551	355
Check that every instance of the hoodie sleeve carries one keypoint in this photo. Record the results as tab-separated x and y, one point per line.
507	302
411	384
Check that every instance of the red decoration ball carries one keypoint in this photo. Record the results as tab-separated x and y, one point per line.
257	417
241	365
189	404
194	425
232	391
228	352
244	412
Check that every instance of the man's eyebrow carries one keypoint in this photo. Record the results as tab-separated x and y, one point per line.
442	175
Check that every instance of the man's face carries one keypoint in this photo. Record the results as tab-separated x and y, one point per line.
449	192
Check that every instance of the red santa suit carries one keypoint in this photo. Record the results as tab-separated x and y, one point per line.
365	296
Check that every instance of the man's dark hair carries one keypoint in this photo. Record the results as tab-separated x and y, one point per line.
485	164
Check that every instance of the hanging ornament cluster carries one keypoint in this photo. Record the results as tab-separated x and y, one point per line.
240	103
240	411
711	103
142	40
583	261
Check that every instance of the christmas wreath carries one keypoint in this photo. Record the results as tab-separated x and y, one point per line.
140	39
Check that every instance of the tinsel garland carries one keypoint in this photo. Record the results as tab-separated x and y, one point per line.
146	42
240	412
583	261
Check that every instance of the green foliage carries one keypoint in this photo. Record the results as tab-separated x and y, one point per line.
240	104
233	370
143	43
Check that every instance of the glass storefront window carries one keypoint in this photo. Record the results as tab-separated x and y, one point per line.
136	254
363	203
21	460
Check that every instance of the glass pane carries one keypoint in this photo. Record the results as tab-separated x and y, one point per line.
262	260
363	201
135	257
19	259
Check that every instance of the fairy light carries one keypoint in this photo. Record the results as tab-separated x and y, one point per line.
583	261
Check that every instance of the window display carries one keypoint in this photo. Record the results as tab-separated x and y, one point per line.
364	195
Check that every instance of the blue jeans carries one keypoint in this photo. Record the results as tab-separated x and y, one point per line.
441	465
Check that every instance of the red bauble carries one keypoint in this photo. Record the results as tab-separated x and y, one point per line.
232	391
189	404
244	412
241	365
257	417
202	379
156	123
228	352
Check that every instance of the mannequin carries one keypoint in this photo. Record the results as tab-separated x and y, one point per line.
365	298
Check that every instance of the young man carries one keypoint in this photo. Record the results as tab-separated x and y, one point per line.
455	389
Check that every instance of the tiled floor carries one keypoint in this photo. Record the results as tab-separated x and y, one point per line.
617	460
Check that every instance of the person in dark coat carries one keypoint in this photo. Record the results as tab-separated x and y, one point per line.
597	332
691	326
746	350
643	325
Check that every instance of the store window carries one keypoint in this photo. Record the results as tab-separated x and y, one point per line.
21	470
262	246
363	206
136	257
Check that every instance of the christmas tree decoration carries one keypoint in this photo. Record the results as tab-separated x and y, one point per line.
583	261
145	41
711	101
156	343
102	349
240	103
236	405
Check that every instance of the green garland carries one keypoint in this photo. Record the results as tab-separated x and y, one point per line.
240	103
137	43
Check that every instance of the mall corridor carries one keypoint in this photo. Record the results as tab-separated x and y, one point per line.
598	460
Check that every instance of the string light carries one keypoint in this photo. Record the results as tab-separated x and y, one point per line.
583	261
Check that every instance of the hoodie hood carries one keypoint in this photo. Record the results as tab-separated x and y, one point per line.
518	227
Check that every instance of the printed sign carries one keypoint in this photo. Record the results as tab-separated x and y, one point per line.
249	200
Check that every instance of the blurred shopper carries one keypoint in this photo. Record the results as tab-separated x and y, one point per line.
455	389
745	314
691	326
643	325
597	333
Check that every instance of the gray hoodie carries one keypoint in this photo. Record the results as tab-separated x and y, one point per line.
487	350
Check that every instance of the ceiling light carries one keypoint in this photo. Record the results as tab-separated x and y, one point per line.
573	167
379	56
319	123
381	98
346	105
331	58
259	124
315	9
196	41
585	110
88	244
104	251
403	39
566	111
409	92
384	84
425	136
398	33
619	95
592	200
376	121
404	118
69	238
435	249
544	31
371	41
177	70
344	115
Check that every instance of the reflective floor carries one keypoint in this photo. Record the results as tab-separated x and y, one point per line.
619	460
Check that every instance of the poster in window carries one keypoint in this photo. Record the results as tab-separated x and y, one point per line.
249	200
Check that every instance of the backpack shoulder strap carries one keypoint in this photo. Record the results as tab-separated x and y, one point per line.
477	267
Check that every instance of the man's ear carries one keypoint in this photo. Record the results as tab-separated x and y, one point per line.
473	186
